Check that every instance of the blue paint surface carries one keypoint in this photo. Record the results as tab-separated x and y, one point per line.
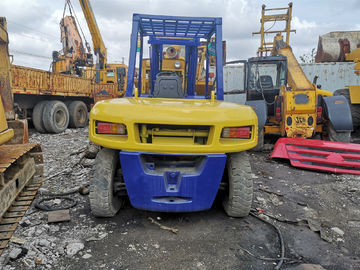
184	184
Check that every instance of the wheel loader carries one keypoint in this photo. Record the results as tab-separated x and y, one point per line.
172	149
21	165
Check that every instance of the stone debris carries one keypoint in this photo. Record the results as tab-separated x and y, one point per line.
86	256
15	253
36	244
338	231
73	248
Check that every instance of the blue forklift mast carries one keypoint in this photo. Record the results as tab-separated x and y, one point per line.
174	30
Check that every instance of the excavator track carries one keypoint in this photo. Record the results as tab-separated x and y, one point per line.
21	171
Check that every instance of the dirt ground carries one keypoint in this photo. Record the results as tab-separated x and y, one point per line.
317	213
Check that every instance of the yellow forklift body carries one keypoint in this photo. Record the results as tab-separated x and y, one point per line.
174	125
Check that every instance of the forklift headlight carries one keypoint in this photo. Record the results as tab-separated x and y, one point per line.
236	132
110	128
177	64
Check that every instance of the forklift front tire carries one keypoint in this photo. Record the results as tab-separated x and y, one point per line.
238	200
103	201
260	145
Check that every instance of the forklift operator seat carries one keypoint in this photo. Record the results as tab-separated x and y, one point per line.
168	85
265	82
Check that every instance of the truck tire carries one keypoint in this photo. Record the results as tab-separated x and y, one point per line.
78	114
238	200
354	108
103	202
338	136
37	116
55	116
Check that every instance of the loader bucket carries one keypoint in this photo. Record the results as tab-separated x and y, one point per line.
335	157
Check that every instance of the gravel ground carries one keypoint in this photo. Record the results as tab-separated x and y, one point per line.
318	214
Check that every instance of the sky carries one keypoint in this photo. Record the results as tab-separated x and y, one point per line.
34	30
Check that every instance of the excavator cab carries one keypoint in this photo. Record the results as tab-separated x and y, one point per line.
265	77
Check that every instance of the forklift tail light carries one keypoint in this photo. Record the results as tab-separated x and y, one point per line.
236	132
110	128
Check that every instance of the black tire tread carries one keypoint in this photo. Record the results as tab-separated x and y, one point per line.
354	108
48	116
37	116
73	121
103	203
335	136
239	199
260	145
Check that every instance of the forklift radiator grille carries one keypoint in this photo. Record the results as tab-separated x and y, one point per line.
173	134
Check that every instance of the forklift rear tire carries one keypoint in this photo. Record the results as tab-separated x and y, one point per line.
237	202
335	136
260	145
55	116
37	116
78	114
103	202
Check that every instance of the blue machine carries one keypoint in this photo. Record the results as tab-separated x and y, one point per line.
172	183
174	30
169	182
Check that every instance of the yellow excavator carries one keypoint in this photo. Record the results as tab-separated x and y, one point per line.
75	59
21	165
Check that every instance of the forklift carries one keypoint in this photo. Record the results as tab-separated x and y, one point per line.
172	149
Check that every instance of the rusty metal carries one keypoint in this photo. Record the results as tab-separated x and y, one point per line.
333	46
5	75
39	82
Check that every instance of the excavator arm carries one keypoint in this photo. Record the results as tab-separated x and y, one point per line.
99	46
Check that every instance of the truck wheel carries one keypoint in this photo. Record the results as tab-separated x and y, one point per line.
354	108
78	114
37	116
260	145
103	202
237	202
55	116
338	136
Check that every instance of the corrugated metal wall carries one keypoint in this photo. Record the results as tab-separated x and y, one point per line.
332	76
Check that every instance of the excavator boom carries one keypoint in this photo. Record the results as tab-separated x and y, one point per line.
99	46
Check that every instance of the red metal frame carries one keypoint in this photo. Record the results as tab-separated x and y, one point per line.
335	157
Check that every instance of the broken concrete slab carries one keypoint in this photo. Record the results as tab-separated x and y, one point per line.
59	216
